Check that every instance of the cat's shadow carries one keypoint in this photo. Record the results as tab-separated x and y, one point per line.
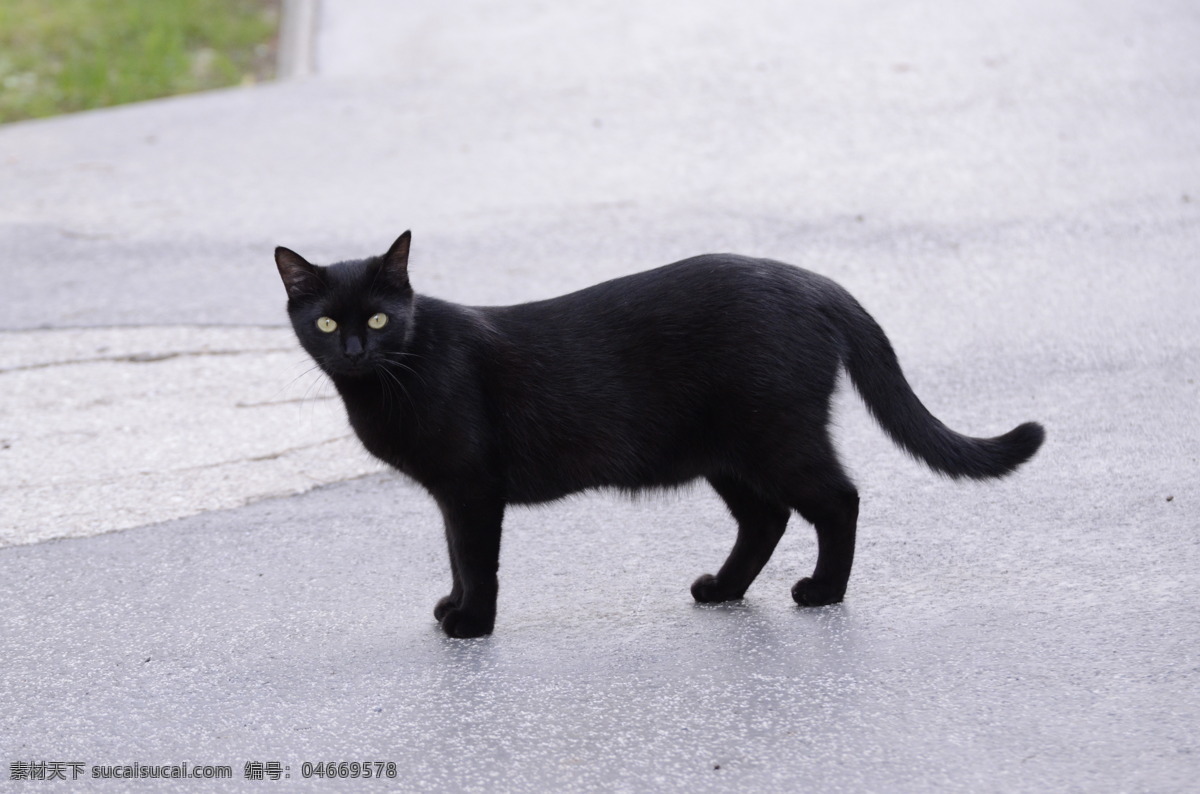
828	634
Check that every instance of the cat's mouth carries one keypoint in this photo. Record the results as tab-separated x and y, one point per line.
352	367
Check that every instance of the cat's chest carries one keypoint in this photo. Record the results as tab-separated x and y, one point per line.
423	444
378	423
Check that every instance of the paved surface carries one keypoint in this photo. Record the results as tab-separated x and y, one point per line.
1013	191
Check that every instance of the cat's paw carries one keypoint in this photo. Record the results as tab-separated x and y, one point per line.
811	593
709	590
461	624
444	605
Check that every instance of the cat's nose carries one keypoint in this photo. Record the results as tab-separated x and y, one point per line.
354	348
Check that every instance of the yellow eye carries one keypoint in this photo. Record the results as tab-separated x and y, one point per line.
377	321
326	324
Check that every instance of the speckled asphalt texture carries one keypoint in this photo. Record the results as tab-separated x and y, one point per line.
197	564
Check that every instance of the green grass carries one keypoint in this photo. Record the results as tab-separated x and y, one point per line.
59	56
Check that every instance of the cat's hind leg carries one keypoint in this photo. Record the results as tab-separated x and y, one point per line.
832	508
761	523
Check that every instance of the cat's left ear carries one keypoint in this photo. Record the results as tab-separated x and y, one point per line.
395	261
300	278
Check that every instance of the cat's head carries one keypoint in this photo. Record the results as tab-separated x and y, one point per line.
352	317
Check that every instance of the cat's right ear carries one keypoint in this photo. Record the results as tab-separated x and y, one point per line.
300	278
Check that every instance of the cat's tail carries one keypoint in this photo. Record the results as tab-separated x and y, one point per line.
876	374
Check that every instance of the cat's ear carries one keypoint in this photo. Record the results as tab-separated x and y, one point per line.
395	261
300	278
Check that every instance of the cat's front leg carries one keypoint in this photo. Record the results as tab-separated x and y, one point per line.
473	539
454	599
447	602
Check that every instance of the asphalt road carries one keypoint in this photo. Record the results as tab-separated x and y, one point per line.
198	564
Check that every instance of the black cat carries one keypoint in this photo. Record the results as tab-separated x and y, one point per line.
719	366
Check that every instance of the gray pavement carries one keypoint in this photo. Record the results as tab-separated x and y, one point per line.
196	563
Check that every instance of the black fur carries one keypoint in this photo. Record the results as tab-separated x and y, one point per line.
719	366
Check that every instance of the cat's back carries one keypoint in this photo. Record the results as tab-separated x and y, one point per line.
705	290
